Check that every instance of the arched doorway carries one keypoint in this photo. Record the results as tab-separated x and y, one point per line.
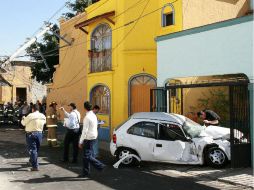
139	93
100	95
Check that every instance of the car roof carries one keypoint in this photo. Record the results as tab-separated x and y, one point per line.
162	116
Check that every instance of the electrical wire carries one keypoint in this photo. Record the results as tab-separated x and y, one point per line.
122	26
120	14
125	25
142	12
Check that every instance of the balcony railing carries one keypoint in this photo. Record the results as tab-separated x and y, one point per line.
100	60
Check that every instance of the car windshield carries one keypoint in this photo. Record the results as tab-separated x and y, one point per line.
192	128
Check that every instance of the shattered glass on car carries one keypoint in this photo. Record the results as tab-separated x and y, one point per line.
192	129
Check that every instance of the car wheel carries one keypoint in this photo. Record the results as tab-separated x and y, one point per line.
124	152
215	157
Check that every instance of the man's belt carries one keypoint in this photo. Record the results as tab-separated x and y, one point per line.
31	132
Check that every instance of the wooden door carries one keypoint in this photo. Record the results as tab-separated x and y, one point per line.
140	87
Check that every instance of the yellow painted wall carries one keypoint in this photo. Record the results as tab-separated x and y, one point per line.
69	81
202	12
133	47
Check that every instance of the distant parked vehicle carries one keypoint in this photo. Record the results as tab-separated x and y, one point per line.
171	138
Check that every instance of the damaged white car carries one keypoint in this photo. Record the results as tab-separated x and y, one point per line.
172	138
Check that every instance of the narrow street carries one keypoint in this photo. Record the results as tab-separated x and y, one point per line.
15	174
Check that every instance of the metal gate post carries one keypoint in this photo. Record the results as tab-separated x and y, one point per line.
231	112
251	94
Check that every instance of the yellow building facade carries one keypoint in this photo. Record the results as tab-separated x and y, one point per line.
113	58
122	55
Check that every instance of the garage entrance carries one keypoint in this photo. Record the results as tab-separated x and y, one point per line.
227	95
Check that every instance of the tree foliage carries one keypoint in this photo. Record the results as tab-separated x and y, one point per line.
50	43
49	48
78	6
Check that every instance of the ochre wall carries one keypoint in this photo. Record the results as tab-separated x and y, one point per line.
20	77
202	12
69	81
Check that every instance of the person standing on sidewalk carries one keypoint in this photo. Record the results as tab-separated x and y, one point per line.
25	109
52	119
34	123
73	132
87	141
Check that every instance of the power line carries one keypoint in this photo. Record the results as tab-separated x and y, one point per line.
142	12
85	42
125	25
122	26
129	8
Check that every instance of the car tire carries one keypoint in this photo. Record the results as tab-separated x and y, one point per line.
126	151
215	157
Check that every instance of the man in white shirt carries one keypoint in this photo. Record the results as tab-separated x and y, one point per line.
34	123
88	139
73	132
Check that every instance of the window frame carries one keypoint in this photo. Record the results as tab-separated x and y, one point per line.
100	59
142	122
184	137
164	15
107	112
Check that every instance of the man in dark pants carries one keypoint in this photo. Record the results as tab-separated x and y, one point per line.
72	135
87	141
34	123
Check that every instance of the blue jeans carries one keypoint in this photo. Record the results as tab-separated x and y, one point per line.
88	157
34	140
96	148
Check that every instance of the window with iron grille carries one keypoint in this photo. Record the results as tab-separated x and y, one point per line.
101	45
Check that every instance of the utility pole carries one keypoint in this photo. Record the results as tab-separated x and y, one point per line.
26	45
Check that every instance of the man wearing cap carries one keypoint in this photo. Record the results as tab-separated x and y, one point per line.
52	118
34	123
73	132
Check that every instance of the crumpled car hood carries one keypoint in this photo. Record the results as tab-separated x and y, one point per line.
216	132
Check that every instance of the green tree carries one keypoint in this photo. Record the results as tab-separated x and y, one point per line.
49	48
76	7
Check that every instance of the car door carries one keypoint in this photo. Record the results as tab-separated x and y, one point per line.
141	137
172	145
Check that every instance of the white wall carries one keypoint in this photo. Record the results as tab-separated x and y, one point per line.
223	50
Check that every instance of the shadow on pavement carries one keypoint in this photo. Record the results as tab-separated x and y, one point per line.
123	178
48	179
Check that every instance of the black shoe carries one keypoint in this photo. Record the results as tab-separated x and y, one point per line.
64	161
83	176
102	168
34	169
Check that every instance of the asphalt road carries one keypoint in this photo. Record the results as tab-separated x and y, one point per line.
55	175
